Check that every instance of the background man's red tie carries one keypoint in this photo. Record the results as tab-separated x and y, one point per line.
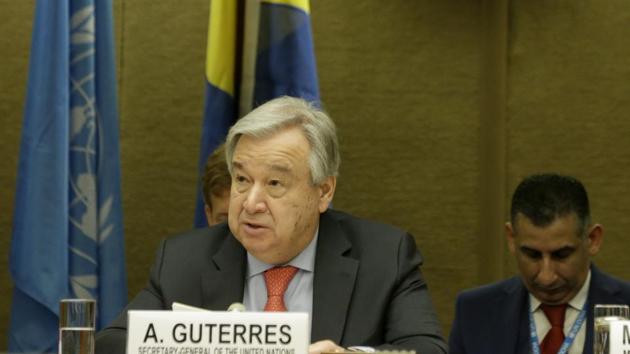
554	338
277	280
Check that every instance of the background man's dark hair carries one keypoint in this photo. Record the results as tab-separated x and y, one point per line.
543	198
216	178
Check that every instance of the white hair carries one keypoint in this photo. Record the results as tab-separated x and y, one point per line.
285	112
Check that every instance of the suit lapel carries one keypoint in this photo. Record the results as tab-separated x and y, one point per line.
512	310
333	282
224	279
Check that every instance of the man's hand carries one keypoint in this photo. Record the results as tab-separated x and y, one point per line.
324	346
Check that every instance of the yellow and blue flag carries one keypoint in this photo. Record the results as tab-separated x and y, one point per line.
257	50
67	237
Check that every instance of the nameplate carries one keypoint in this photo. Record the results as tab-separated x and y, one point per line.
619	337
217	332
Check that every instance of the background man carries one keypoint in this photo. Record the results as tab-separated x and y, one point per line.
359	280
552	239
215	185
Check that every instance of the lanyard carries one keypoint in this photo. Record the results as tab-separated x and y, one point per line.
568	340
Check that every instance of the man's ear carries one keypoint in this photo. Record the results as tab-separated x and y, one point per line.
509	232
595	238
326	192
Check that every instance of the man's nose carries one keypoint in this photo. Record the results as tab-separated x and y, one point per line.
255	201
547	273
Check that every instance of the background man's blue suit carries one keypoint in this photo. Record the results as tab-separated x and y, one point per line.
493	318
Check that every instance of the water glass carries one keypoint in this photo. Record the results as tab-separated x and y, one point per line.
604	315
77	319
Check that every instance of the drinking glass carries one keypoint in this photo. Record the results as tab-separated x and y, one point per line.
76	326
604	315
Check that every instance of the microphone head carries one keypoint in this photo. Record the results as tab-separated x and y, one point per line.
236	307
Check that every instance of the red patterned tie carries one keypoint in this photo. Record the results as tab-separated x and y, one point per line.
554	338
277	280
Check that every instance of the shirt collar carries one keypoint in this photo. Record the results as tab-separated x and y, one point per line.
577	302
305	260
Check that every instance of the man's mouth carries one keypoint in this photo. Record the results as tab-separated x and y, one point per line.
254	226
553	291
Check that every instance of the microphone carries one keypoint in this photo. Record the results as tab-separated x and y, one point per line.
236	307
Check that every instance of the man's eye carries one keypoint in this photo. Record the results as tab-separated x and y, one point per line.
562	254
529	253
240	179
276	188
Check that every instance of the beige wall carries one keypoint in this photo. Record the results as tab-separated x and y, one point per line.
442	107
569	103
15	29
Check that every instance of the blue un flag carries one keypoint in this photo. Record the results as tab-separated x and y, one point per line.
67	234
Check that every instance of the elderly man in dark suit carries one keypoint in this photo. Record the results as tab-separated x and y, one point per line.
549	308
359	280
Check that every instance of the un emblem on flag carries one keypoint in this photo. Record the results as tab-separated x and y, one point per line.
89	208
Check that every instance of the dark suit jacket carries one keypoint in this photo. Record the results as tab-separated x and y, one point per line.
494	319
367	287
